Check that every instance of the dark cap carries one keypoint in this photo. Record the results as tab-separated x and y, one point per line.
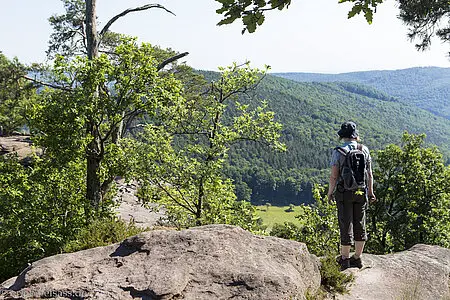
348	130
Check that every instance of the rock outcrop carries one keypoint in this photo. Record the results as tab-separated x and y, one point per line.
420	273
207	262
223	262
131	209
18	144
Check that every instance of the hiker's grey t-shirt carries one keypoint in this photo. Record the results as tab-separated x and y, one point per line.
335	156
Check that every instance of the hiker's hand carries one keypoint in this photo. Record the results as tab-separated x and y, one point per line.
330	198
372	198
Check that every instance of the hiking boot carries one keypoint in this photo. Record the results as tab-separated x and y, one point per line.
355	262
344	263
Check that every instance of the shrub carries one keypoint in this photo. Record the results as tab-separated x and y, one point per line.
102	232
332	279
318	227
41	208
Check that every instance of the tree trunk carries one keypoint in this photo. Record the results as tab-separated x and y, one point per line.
91	29
93	185
198	213
94	157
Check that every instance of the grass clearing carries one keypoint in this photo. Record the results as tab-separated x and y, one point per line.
277	214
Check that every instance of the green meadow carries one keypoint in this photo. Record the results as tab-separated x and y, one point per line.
277	214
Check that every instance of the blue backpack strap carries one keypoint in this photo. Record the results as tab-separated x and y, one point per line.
342	150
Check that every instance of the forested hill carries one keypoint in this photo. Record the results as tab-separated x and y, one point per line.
425	87
311	114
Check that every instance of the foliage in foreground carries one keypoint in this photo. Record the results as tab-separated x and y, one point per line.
332	282
332	279
425	19
85	113
41	208
44	207
318	227
102	232
181	164
413	191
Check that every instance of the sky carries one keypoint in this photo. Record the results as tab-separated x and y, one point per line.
310	36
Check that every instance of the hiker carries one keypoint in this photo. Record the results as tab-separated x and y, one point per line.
351	187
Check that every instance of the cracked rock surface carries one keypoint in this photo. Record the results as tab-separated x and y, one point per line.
207	262
420	273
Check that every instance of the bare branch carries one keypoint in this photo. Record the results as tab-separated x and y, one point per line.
171	59
130	119
188	133
48	84
125	12
108	52
186	206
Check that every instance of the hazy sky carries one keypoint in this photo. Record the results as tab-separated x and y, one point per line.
311	36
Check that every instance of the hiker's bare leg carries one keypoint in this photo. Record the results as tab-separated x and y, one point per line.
359	247
345	251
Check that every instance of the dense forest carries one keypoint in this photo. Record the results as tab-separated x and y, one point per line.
426	87
311	114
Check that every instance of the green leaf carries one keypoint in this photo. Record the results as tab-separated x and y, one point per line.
228	20
368	15
225	2
355	10
261	3
260	17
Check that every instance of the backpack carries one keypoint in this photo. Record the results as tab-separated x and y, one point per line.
353	171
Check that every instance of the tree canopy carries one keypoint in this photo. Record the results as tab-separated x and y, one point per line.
424	18
15	92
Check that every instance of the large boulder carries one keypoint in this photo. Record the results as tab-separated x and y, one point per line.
207	262
422	272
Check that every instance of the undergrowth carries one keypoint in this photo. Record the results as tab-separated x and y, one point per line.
333	281
102	232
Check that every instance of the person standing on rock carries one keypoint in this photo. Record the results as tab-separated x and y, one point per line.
351	187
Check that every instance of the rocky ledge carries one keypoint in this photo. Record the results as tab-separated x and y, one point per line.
420	273
223	262
207	262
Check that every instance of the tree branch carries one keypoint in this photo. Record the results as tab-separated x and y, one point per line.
125	12
171	59
48	84
187	206
264	9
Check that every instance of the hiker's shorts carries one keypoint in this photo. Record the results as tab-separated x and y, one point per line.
352	216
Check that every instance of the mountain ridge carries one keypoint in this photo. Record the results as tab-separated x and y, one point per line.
424	87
